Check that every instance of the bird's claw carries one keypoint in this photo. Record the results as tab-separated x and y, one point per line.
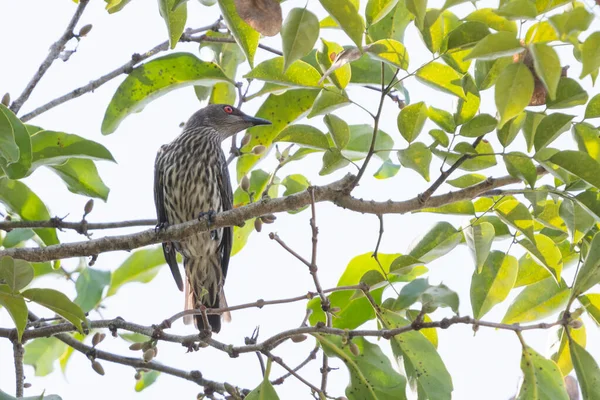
209	216
161	226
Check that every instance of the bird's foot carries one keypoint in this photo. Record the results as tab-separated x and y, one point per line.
210	218
161	226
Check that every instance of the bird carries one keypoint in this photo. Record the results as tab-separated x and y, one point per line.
191	180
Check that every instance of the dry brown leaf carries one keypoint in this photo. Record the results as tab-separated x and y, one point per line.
264	16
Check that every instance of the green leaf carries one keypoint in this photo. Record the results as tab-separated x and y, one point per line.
293	184
392	25
416	157
304	135
500	228
244	34
147	379
478	126
54	148
241	235
442	118
437	26
175	18
520	166
423	365
588	373
16	307
156	78
549	128
438	241
516	215
371	373
299	33
580	164
496	45
589	274
345	13
418	8
20	168
411	120
592	110
568	94
429	333
466	180
537	301
513	91
338	129
562	357
297	74
479	238
333	159
441	77
488	71
89	285
467	108
463	207
112	6
518	10
511	129
17	236
493	283
368	70
264	391
591	303
141	266
541	32
289	107
590	201
541	377
329	100
81	177
42	353
545	252
475	163
377	9
590	55
574	21
329	51
577	219
440	137
16	273
9	149
389	51
491	19
361	137
387	170
59	303
547	66
467	35
18	198
547	5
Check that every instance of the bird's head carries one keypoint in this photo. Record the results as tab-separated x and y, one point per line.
225	119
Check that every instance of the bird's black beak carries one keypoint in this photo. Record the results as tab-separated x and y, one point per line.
256	121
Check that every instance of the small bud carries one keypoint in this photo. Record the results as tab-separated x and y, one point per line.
85	30
146	346
26	385
299	338
277	153
137	376
155	351
576	324
229	388
258	224
268	219
98	337
6	99
245	139
354	349
258	150
286	153
96	366
200	396
89	206
245	183
148	355
136	346
181	124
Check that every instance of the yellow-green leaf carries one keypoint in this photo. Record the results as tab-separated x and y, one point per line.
493	284
537	301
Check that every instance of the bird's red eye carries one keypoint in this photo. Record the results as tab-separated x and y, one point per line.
228	109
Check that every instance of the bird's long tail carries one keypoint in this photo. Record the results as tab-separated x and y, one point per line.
204	287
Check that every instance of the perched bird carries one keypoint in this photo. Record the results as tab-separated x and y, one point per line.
191	181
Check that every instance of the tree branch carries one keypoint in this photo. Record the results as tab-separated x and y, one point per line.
18	353
123	69
333	192
53	54
205	38
311	356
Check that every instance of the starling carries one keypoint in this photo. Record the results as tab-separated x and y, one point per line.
191	181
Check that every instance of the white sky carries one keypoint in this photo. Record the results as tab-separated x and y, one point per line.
482	366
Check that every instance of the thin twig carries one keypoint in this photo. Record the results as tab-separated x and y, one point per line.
205	38
123	69
291	371
311	356
53	54
76	226
18	353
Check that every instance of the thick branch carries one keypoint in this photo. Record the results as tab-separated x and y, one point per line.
18	353
53	54
333	192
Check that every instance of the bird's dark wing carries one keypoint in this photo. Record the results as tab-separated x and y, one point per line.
227	203
161	215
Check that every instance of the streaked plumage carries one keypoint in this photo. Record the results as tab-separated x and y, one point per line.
191	178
